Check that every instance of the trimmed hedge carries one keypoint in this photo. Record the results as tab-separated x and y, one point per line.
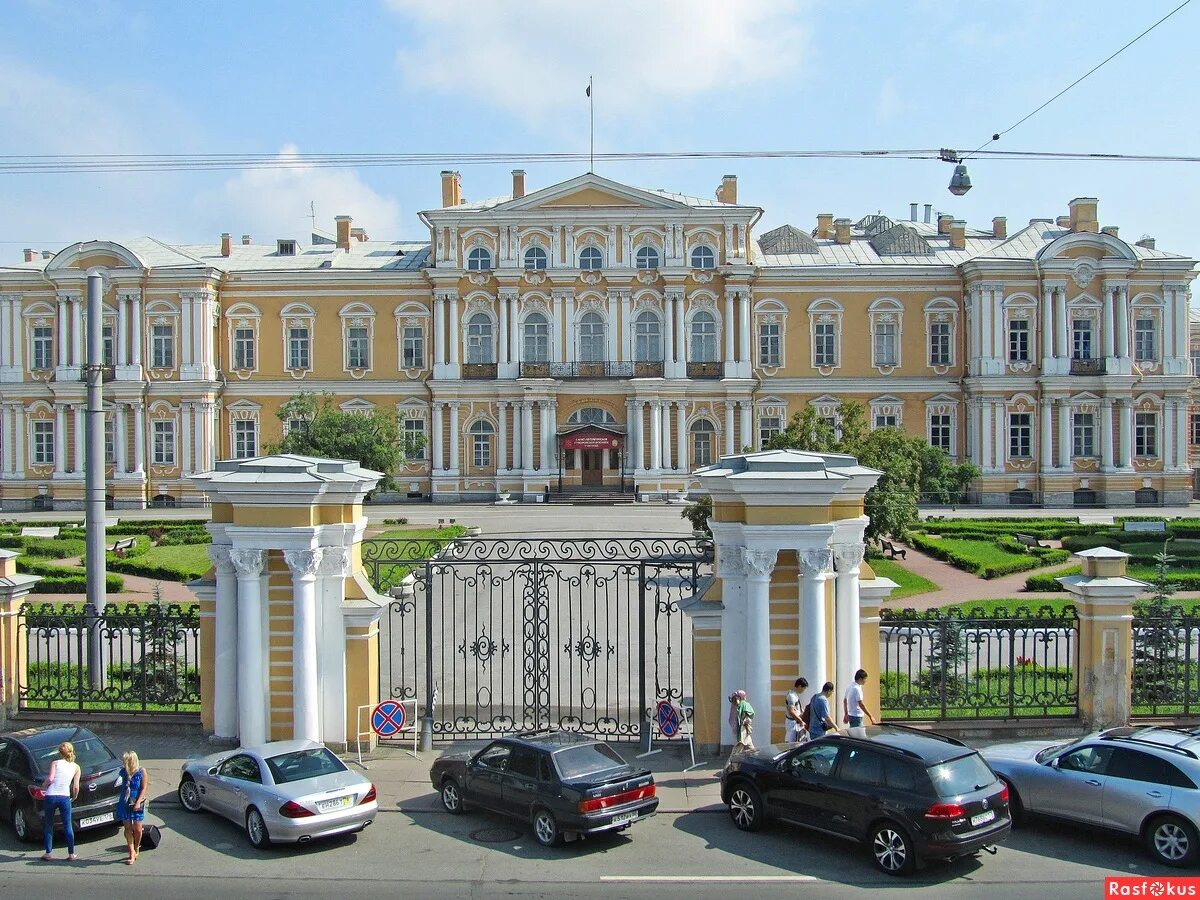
52	548
1184	581
156	571
75	584
1020	561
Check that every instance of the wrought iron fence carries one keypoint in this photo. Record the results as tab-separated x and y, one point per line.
1166	660
132	657
979	663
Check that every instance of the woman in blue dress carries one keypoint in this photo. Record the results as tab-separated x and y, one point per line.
131	807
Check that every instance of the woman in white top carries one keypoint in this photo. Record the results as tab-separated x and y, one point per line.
61	787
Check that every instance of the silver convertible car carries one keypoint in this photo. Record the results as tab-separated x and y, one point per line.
284	792
1140	781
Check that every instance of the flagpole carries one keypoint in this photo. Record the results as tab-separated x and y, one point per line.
592	118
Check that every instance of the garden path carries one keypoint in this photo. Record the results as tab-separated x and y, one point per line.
137	589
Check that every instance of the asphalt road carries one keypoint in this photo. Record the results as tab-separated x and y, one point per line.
477	855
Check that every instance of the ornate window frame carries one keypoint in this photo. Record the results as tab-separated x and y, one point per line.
887	311
162	411
238	317
769	407
298	315
1085	404
412	315
941	310
414	410
706	304
40	315
1146	306
770	311
1021	307
476	305
944	405
357	315
1149	404
1085	306
161	312
697	426
40	412
244	411
642	308
888	405
825	311
1021	404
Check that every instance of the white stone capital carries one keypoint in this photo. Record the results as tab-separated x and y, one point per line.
848	556
815	562
758	563
248	563
334	561
220	555
303	563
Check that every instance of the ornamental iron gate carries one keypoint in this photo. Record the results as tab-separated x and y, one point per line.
1166	660
503	635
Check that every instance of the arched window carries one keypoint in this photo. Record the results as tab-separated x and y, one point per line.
479	339
647	338
481	444
592	346
704	440
591	258
536	260
703	257
703	347
536	339
591	415
647	257
479	260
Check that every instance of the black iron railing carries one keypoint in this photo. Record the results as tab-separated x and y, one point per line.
1166	660
1087	367
479	371
599	369
704	370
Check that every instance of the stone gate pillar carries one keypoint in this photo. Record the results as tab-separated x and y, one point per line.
778	608
14	588
289	623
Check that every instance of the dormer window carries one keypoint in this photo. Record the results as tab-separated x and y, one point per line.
479	260
285	248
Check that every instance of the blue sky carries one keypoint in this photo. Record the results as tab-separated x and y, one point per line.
472	76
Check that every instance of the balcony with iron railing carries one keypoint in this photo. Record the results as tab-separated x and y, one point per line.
1087	367
479	371
704	370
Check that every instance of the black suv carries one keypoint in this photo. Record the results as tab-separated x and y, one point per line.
564	785
907	795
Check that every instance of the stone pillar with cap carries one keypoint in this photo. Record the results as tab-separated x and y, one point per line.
14	588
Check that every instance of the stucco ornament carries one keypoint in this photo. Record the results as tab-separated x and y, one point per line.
1083	273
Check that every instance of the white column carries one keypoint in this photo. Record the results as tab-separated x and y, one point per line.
306	721
185	442
1106	434
1181	433
655	436
680	337
8	325
1180	308
1062	340
77	331
1046	433
502	436
728	324
985	318
1122	323
19	439
331	654
1047	335
986	444
667	459
437	458
438	342
638	440
813	566
502	358
1000	335
557	328
60	439
62	350
746	437
846	613
455	462
121	440
1125	437
681	443
452	314
1000	436
550	432
1064	434
730	446
626	322
668	335
744	352
1168	433
527	435
6	440
1107	326
252	700
122	330
186	321
614	327
137	333
569	352
139	439
731	569
18	339
759	564
542	429
225	644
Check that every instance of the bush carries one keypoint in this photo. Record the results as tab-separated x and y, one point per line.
180	536
158	571
400	521
71	583
987	559
52	548
1047	581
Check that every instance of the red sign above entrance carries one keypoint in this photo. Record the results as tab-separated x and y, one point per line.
591	440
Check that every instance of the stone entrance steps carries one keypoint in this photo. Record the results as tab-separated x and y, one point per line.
593	496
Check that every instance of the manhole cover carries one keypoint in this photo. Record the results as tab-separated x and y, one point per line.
494	835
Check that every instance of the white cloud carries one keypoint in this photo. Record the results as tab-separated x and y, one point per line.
533	57
274	203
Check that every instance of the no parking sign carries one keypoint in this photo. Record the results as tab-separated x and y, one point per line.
389	718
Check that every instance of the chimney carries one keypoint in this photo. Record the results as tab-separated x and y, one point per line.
841	231
727	192
451	188
1063	221
958	234
1000	227
1110	230
928	212
944	220
518	184
226	241
359	234
825	226
343	231
30	255
246	242
912	212
47	254
1146	243
1083	214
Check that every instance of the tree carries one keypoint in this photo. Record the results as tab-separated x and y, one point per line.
698	513
373	441
1158	672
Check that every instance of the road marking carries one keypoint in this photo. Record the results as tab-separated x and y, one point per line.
711	879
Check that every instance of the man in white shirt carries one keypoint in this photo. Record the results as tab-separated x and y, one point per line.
852	704
793	710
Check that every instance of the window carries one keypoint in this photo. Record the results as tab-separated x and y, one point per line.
1145	340
704	338
647	338
862	767
1145	434
110	440
646	258
591	338
703	258
1018	340
481	444
524	763
479	339
1083	430
243	348
703	440
43	443
1081	339
43	348
302	765
412	347
825	344
817	760
939	432
961	776
107	343
886	420
245	439
591	259
241	768
1135	765
1195	361
770	348
939	344
494	757
163	431
162	346
1093	760
298	348
1195	428
886	352
536	260
294	425
536	338
479	260
768	427
1020	435
358	347
414	438
899	775
590	759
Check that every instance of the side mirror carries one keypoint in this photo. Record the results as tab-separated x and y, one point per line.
1053	763
212	771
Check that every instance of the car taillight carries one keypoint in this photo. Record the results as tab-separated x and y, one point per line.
945	811
598	803
293	810
368	797
1004	793
37	793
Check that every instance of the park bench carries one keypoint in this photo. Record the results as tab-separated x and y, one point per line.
122	546
1030	541
1157	527
892	551
35	531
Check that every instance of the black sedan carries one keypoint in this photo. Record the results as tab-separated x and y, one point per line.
565	787
25	758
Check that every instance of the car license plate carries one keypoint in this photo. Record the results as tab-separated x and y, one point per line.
983	818
95	820
624	818
334	805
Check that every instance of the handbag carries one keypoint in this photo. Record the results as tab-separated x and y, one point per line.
151	837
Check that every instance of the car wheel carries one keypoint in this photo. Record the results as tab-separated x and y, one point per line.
189	794
1172	841
22	826
746	807
892	849
545	828
452	800
256	830
1016	809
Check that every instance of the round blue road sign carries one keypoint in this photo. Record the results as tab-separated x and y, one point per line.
388	718
667	717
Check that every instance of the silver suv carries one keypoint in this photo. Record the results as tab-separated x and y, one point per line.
1141	781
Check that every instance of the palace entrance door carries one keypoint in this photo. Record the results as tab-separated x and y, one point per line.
592	467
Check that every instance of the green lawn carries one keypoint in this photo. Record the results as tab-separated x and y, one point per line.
190	558
388	564
992	607
910	582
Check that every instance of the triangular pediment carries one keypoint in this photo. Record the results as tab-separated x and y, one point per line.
593	192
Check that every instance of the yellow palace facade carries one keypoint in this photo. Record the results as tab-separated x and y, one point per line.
596	337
